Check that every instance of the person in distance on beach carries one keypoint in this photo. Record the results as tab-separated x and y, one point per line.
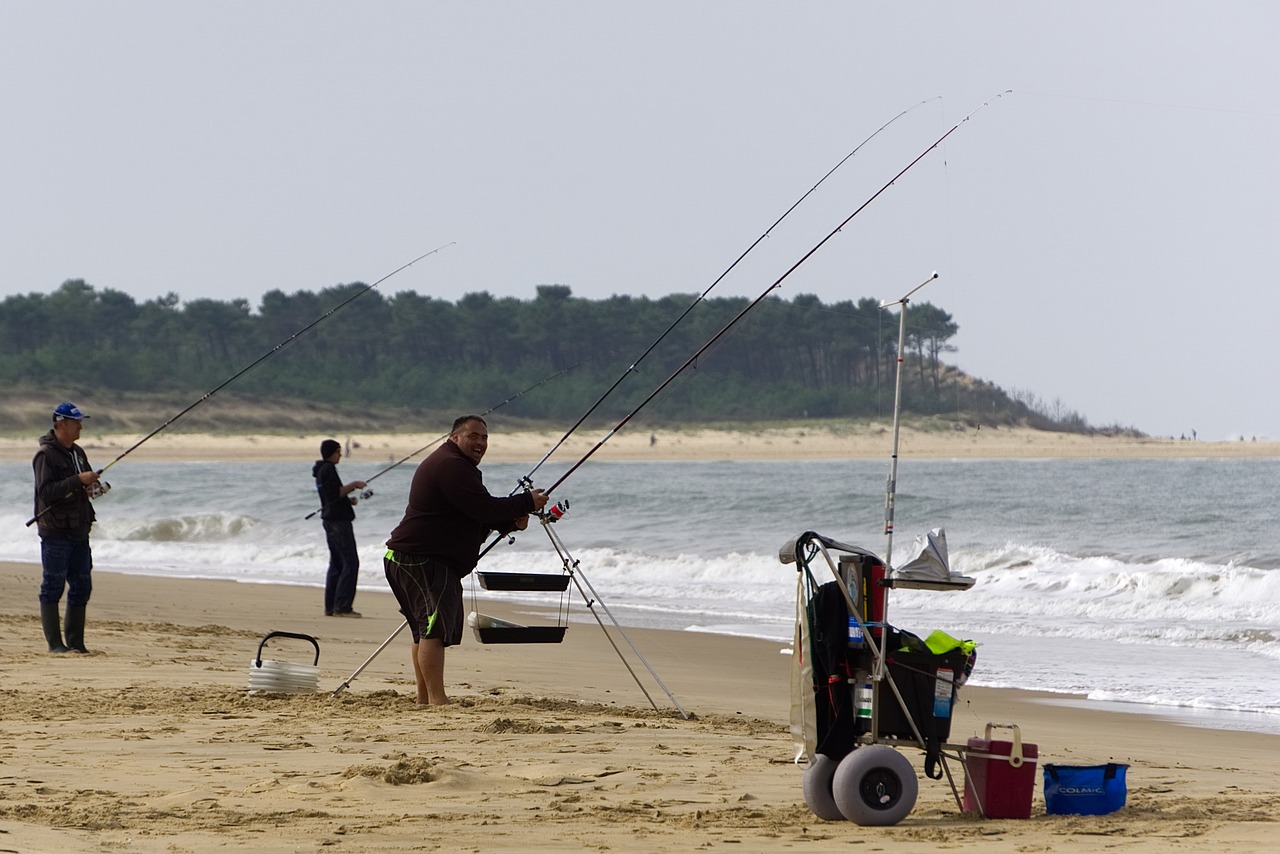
64	483
437	543
337	514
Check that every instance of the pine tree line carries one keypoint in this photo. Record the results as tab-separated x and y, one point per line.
786	359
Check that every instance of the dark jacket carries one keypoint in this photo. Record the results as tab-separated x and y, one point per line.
62	507
334	506
450	512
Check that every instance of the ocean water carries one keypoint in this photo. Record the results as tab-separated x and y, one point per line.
1140	582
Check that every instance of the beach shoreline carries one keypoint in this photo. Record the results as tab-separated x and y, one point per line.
824	441
154	744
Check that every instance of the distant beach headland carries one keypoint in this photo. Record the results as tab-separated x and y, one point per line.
823	441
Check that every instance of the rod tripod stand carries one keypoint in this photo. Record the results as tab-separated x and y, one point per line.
574	570
590	597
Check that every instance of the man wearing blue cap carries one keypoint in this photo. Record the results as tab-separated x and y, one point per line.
64	484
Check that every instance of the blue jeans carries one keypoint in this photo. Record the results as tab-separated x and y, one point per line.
344	566
67	563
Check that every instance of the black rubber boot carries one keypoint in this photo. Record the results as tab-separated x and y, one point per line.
75	628
52	630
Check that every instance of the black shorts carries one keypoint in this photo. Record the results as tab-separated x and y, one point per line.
429	593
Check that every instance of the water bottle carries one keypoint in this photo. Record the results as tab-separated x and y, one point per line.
943	687
862	702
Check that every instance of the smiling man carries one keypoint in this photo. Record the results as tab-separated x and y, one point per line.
437	543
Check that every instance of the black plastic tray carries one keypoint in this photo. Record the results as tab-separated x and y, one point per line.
523	581
523	634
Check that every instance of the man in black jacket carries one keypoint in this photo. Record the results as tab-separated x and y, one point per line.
337	515
438	541
64	483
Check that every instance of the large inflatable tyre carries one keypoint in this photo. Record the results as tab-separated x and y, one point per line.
875	786
817	788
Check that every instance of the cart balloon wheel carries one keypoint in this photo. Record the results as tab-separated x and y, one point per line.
817	788
875	786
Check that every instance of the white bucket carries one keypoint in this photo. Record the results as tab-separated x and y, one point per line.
284	677
484	621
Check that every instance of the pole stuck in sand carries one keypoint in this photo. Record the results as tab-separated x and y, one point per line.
892	486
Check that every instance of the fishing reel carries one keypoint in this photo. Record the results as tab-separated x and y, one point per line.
363	496
554	512
97	489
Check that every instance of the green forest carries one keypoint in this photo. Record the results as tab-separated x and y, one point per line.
555	353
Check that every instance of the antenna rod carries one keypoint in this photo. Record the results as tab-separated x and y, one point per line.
892	485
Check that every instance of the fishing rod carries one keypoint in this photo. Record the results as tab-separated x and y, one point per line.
702	297
446	436
253	365
776	284
527	483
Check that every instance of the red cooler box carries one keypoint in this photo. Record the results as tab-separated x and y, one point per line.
1000	776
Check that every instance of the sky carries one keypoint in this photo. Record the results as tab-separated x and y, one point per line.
1099	220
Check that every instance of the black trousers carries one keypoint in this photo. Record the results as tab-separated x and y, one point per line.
344	566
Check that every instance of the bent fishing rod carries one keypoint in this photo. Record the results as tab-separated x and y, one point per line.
634	366
776	284
439	439
253	365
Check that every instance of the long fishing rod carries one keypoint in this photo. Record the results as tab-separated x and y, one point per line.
527	481
721	333
439	439
255	363
762	296
702	297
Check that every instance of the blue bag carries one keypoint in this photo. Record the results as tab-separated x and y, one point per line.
1084	789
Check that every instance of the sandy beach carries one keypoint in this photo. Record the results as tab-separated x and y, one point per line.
822	441
153	743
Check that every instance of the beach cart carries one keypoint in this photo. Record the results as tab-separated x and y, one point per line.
860	687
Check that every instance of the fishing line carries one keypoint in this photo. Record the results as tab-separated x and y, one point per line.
254	364
701	298
439	439
776	284
527	482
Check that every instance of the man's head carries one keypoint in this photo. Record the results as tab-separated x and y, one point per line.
471	434
330	451
66	423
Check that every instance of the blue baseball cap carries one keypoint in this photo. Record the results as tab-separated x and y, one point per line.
68	410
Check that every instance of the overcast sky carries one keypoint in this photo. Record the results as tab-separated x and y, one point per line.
1101	232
